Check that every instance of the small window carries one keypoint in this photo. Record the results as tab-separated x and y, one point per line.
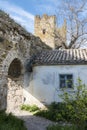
66	81
44	31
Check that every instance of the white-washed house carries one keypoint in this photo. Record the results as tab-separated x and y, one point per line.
50	72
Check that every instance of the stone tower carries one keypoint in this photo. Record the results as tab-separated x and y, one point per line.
46	28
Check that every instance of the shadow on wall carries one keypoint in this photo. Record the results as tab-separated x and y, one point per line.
28	92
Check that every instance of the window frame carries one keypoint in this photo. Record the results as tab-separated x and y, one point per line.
65	74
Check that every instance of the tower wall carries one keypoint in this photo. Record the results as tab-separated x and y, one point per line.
44	28
61	32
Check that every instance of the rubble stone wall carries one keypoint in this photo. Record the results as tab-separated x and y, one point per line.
15	42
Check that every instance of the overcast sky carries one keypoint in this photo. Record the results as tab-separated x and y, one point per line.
23	11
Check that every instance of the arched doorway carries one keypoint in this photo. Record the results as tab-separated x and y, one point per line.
15	83
15	68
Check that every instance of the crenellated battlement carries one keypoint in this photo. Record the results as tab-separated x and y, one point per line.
45	16
45	27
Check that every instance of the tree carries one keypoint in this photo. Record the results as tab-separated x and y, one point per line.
75	14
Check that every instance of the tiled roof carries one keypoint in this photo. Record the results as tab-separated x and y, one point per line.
62	57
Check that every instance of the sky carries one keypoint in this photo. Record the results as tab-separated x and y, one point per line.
23	11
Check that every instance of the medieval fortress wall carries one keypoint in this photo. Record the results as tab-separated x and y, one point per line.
16	48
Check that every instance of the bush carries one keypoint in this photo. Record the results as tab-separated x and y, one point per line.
55	112
59	127
29	108
76	105
10	122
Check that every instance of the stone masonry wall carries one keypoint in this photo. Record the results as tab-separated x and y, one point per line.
15	42
44	28
15	94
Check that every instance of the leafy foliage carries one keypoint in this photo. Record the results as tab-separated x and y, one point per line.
76	105
61	127
10	122
55	112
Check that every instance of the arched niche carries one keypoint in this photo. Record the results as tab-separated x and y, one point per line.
15	68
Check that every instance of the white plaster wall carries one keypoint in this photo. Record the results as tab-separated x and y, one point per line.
42	86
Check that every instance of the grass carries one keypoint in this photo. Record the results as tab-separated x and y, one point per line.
29	108
60	127
10	122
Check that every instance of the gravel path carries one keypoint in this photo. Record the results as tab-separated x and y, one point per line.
32	122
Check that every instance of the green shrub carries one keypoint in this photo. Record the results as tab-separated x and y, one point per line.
58	112
73	109
47	114
29	108
10	122
59	127
55	112
76	105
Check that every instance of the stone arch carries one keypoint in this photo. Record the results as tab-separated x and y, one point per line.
13	67
11	56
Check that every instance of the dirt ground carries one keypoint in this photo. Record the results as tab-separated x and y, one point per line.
32	122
